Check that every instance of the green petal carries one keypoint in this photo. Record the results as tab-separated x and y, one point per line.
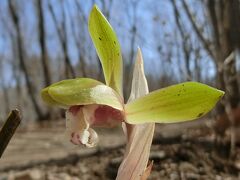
181	102
81	91
108	48
48	99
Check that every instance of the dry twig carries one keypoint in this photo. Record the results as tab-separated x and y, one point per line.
9	129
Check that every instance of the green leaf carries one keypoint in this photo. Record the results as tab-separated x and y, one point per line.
108	48
81	91
177	103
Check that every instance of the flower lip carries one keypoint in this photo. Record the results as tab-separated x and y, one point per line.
107	116
99	115
74	109
80	118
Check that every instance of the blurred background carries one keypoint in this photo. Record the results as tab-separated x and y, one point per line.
45	41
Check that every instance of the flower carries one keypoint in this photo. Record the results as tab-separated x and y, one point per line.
91	103
139	136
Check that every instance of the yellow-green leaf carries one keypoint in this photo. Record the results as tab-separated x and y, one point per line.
108	48
81	91
181	102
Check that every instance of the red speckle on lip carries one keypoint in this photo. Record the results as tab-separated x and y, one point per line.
74	109
107	115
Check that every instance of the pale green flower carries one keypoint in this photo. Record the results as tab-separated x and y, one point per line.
91	103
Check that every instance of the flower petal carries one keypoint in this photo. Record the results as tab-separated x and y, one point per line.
93	138
181	102
108	48
77	127
81	91
139	136
49	100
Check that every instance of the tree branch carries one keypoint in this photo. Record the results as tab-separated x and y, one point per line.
78	41
62	34
204	41
9	129
213	18
185	42
22	59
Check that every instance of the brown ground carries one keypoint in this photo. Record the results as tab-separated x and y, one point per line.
182	151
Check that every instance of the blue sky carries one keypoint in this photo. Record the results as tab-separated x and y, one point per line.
155	28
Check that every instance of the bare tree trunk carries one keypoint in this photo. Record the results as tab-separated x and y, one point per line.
197	65
212	47
231	38
14	61
77	40
20	49
185	41
205	42
42	42
230	43
62	34
224	23
225	17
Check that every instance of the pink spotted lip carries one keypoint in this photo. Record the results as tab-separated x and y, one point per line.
102	115
80	118
75	139
107	116
74	109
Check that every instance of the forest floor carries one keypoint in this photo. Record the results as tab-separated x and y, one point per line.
179	151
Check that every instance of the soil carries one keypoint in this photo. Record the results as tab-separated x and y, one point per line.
179	151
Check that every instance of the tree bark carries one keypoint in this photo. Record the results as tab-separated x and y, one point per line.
78	40
185	41
224	16
62	34
223	20
226	29
9	129
20	50
42	42
14	61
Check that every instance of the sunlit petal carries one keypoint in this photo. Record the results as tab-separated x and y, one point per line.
108	48
181	102
139	136
81	91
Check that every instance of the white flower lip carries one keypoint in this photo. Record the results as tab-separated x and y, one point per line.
87	137
80	118
77	127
